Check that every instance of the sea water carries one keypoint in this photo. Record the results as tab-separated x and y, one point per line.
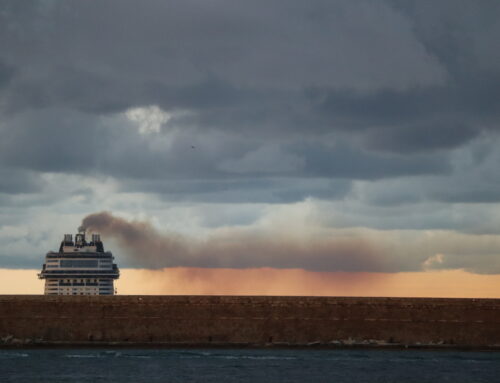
246	365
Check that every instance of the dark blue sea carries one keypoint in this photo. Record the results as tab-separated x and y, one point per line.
246	365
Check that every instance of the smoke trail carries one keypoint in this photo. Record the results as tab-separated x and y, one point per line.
236	248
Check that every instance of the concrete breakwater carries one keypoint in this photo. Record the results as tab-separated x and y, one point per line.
249	320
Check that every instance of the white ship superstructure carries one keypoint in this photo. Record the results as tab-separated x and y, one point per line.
79	268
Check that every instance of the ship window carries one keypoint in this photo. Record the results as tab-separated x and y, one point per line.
78	263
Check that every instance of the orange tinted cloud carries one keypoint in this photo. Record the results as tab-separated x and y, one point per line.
269	281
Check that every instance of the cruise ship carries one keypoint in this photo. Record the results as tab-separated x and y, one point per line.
79	268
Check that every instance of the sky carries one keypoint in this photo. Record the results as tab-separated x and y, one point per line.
294	147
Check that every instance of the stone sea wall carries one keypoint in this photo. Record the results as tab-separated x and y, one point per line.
249	320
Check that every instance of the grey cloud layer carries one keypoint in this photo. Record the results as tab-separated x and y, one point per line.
356	75
391	108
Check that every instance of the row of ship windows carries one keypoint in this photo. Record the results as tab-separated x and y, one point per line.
78	291
92	268
80	264
79	260
79	283
57	282
102	293
81	280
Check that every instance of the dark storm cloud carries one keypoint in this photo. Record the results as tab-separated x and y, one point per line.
280	190
432	135
343	161
463	37
6	74
19	182
417	120
265	92
200	49
230	169
51	140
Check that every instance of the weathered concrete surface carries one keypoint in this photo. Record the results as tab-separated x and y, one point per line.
258	321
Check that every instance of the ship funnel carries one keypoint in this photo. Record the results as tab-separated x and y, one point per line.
96	238
80	240
68	238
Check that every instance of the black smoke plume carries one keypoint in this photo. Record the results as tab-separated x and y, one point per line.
235	248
